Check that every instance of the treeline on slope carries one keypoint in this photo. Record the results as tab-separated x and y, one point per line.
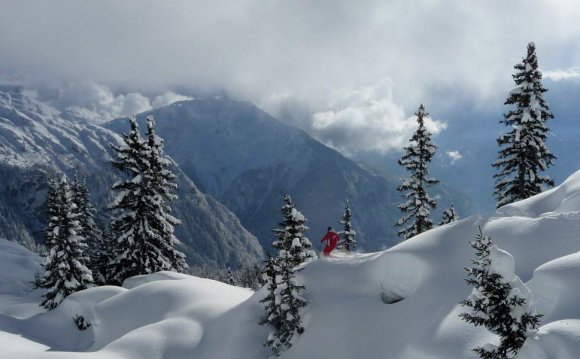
139	239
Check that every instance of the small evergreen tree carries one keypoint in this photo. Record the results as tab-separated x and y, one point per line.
290	236
417	207
250	276
65	264
449	215
495	305
142	223
287	318
347	243
284	302
231	279
523	154
270	306
89	231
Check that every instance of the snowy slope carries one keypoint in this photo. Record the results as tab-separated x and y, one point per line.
175	316
37	141
157	316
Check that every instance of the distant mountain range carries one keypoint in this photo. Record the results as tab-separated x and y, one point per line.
233	161
37	142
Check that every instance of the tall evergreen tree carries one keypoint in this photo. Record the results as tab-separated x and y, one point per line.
417	207
89	230
347	242
449	215
142	222
495	305
65	264
290	236
104	259
52	209
523	154
284	303
163	185
289	303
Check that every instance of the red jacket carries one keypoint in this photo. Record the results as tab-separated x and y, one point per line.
332	239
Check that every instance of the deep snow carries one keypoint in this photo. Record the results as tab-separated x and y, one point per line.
167	315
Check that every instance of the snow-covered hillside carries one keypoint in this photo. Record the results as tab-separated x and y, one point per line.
166	315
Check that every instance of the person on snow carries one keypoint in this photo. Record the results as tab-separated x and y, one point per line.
332	237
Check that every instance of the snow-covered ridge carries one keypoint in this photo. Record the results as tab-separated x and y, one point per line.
166	315
34	133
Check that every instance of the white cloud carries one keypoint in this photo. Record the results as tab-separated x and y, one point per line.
454	156
279	52
304	48
168	98
98	101
368	119
563	74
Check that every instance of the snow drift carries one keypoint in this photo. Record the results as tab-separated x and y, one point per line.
401	303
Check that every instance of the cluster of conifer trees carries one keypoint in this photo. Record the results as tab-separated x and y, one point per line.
140	238
522	157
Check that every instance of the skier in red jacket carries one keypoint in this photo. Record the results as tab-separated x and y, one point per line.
332	239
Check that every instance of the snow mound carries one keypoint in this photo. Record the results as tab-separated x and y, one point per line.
401	303
18	267
557	288
562	199
502	263
162	315
559	340
138	280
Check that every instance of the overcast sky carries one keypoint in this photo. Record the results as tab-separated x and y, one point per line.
357	70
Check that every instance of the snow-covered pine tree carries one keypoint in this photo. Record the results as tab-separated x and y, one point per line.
417	207
52	208
89	230
250	276
523	154
129	207
65	265
290	236
449	215
347	242
269	300
494	304
289	306
142	222
284	303
231	279
162	183
103	261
